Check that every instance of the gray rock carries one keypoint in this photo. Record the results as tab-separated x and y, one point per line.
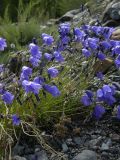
42	155
18	150
18	158
104	154
86	155
112	14
65	18
109	142
104	147
64	147
93	143
68	16
115	137
37	149
30	157
78	140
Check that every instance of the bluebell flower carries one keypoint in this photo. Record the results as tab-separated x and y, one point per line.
108	32
101	56
8	97
98	111
26	72
77	32
47	39
100	75
3	44
30	86
107	89
65	40
64	29
85	27
100	95
89	93
39	80
116	50
48	56
15	120
105	45
106	94
117	61
79	35
34	61
110	99
58	56
98	30
93	43
34	50
53	72
53	90
118	112
86	100
86	52
114	43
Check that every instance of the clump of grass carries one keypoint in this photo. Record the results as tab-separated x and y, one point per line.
24	29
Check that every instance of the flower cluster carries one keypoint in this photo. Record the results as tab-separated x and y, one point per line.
37	71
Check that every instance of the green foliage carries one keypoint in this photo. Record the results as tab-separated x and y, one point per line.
65	5
23	10
26	27
21	33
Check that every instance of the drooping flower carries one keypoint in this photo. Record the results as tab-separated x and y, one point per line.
15	120
98	111
87	98
3	44
58	56
47	39
89	93
34	51
53	72
93	43
116	50
52	90
100	75
114	43
8	97
107	89
34	61
101	56
85	27
65	40
98	30
26	72
106	94
107	32
86	52
100	95
78	34
39	80
30	86
105	45
48	56
64	29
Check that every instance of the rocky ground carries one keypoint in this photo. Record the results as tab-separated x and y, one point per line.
85	140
